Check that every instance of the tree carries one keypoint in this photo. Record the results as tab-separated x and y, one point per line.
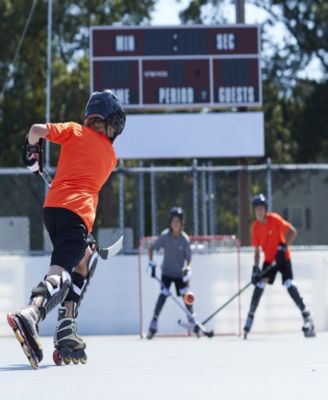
307	24
295	108
310	125
23	102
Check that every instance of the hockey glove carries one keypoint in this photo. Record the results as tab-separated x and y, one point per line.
186	273
31	155
281	253
152	268
256	275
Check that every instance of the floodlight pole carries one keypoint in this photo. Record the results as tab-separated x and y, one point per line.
48	87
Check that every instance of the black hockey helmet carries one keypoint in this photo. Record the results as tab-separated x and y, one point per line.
259	200
176	212
106	106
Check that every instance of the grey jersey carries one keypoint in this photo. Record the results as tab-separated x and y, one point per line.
176	252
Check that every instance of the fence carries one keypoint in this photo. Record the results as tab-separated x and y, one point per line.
136	201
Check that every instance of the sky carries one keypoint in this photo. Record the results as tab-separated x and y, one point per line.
167	13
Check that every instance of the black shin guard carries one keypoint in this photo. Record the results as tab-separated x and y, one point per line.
190	308
257	294
256	297
159	304
75	290
295	295
81	285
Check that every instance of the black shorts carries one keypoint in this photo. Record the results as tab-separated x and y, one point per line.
180	286
68	234
285	269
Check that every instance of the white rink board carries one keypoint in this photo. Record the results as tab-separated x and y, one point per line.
214	280
111	305
188	135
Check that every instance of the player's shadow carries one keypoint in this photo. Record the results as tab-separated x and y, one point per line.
23	367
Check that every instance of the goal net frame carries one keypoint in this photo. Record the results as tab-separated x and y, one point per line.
208	247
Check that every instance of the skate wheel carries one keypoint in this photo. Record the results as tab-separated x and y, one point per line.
33	363
11	321
84	360
19	336
67	360
26	350
58	359
75	360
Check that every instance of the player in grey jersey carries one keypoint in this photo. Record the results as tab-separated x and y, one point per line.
175	267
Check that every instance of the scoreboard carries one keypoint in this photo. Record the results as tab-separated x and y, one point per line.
181	67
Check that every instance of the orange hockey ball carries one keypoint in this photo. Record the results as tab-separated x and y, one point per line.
189	298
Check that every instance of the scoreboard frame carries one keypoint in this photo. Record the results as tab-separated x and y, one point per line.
240	52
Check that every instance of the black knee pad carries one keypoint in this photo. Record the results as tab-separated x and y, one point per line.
53	289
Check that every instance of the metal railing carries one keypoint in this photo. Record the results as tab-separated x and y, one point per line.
136	200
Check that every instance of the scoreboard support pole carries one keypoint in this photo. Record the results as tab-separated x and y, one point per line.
244	189
240	11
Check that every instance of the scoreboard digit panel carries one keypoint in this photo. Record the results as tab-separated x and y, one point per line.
121	76
170	42
236	81
175	82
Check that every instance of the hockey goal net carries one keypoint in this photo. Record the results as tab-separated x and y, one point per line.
215	278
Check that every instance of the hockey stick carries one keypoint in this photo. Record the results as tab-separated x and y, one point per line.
43	172
197	326
269	268
105	254
108	252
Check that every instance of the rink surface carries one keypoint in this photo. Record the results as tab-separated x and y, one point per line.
265	367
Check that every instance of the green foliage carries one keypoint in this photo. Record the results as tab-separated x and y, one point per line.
295	109
307	22
24	100
310	129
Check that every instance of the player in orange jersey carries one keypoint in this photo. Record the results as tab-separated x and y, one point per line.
273	234
87	158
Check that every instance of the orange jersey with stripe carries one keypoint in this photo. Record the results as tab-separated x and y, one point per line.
86	160
270	234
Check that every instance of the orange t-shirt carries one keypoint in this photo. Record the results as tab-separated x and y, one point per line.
270	234
86	160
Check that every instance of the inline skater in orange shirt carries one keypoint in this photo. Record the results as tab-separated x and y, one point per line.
273	234
86	160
